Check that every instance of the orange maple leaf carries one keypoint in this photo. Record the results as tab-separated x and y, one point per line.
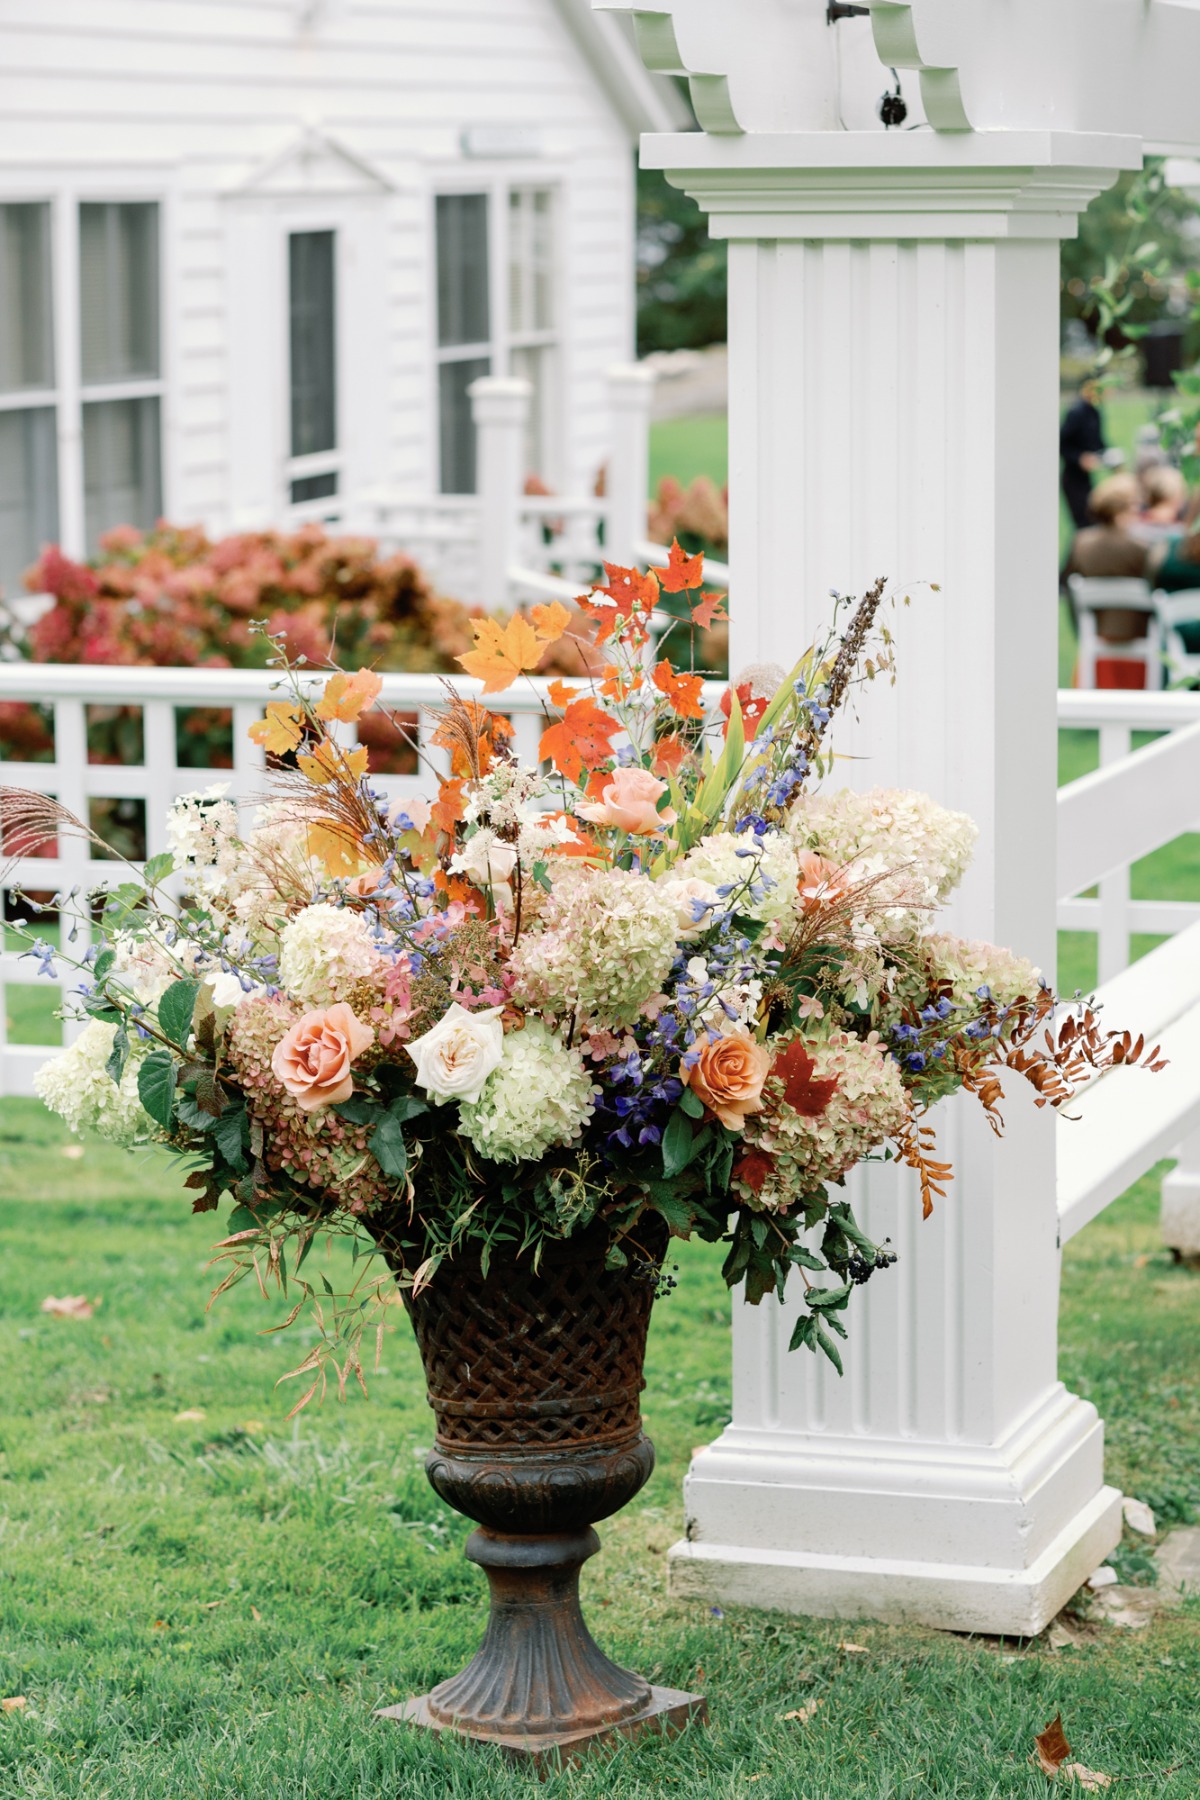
562	693
329	761
550	621
682	571
447	809
803	1092
618	685
707	609
580	739
669	755
631	597
346	696
281	730
502	652
682	691
490	730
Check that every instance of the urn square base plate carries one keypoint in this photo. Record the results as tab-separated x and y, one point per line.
669	1711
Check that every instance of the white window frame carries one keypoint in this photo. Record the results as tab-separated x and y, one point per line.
498	181
69	392
320	462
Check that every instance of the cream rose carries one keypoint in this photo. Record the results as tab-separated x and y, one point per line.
485	859
681	891
629	802
313	1059
455	1058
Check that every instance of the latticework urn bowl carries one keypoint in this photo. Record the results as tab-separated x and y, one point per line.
535	1379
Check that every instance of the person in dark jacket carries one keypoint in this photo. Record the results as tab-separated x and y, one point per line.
1081	444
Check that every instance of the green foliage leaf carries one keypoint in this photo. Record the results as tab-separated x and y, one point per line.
829	1347
194	1117
674	1209
119	1054
678	1144
691	1104
231	1134
103	964
175	1010
157	868
156	1086
387	1146
826	1297
359	1110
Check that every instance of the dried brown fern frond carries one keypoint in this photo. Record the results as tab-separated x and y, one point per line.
916	1143
473	735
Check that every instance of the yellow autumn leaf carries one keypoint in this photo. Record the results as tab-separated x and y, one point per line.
551	621
329	762
281	730
333	848
502	652
346	696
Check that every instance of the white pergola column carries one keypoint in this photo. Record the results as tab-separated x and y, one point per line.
893	341
500	413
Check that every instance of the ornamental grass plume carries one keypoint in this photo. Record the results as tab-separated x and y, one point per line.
658	979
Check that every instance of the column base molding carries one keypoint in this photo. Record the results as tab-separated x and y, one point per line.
1181	1211
961	1537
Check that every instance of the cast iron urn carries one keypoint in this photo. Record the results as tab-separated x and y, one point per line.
535	1379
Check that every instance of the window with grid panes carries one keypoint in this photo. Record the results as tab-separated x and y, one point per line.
120	365
28	398
312	364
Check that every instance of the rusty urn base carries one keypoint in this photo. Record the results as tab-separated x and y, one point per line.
539	1687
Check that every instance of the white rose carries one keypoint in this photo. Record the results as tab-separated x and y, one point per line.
485	860
226	987
456	1057
682	890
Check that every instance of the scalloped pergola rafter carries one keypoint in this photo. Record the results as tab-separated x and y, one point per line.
893	345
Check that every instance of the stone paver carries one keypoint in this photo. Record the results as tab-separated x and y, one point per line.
1178	1559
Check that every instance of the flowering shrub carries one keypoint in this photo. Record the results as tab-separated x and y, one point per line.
659	971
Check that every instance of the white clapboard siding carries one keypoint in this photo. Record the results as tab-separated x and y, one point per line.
194	101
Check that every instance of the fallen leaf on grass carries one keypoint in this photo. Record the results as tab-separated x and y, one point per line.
72	1152
207	1605
1051	1751
256	1615
15	1703
252	1425
855	1649
190	1415
802	1714
71	1306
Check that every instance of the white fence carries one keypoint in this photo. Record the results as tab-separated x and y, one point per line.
502	546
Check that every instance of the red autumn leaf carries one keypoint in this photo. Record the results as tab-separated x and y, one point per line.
683	691
562	693
631	597
708	608
753	707
580	740
447	809
806	1095
682	571
754	1167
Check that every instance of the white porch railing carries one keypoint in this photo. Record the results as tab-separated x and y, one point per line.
1135	802
501	546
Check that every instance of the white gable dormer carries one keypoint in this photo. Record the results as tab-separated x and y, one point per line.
314	163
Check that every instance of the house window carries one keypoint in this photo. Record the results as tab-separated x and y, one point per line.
28	398
120	366
314	463
495	314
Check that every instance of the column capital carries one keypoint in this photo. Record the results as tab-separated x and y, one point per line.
912	185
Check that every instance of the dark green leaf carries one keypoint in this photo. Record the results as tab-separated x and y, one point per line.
675	1211
118	1055
388	1148
175	1010
829	1347
231	1134
759	1228
691	1104
823	1297
359	1110
677	1144
156	1086
616	1258
804	1333
103	964
242	1219
191	1115
407	1106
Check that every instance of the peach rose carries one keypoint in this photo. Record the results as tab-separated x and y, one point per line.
822	883
629	802
364	887
729	1077
313	1060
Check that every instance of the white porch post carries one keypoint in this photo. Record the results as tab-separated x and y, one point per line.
893	333
630	397
1181	1201
500	411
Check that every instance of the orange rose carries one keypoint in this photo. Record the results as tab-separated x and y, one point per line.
822	883
629	802
729	1077
313	1060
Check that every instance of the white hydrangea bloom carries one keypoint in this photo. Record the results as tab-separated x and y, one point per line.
203	832
540	1096
146	966
76	1085
323	951
738	861
601	944
888	828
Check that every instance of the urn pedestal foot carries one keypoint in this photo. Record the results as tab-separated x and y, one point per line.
539	1686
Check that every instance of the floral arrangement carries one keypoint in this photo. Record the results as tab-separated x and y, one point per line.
662	971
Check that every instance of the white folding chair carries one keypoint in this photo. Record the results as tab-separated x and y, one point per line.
1093	594
1174	610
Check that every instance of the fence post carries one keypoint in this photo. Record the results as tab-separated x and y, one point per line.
630	396
500	410
1181	1201
1112	937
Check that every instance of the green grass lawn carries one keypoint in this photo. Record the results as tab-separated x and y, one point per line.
213	1607
689	447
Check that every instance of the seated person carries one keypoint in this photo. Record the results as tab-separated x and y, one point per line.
1109	550
1175	567
1164	496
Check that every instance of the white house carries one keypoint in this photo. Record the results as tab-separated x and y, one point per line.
252	252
